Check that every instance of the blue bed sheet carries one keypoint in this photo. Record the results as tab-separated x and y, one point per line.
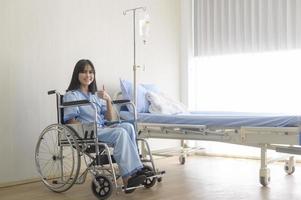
219	119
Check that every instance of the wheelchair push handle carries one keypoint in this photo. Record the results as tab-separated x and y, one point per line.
51	92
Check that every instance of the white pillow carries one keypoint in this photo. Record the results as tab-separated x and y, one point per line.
161	104
127	93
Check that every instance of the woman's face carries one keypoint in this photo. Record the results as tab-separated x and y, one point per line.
86	77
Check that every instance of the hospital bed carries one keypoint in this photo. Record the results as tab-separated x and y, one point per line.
266	131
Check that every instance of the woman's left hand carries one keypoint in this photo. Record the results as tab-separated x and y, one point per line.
103	95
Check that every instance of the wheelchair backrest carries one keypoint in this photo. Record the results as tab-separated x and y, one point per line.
83	131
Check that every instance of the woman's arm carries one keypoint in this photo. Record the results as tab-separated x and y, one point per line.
105	96
109	113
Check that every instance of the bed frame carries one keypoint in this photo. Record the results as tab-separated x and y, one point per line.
280	139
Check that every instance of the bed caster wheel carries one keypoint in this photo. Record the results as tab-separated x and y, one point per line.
264	177
182	159
289	170
149	181
102	187
289	166
264	181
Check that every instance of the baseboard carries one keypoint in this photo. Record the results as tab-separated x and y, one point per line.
21	182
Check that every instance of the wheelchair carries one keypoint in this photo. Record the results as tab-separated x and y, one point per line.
61	148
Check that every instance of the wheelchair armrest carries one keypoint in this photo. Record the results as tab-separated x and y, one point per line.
76	103
121	101
110	123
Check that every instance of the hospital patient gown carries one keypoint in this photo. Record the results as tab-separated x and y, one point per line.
122	137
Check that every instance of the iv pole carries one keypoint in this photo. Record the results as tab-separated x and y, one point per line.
135	67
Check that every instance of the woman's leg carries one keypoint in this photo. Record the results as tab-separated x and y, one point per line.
130	130
125	150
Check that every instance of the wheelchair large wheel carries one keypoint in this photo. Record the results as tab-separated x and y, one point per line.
57	157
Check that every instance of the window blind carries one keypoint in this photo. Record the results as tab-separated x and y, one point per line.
235	26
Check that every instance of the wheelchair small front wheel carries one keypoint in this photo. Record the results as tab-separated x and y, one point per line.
57	157
150	180
102	187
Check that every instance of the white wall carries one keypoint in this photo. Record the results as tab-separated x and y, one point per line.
40	44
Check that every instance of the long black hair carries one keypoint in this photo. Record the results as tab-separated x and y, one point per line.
79	68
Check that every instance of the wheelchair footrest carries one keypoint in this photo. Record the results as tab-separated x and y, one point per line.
159	174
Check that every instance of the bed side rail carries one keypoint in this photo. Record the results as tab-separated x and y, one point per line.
253	136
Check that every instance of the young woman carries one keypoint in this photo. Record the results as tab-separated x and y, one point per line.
122	137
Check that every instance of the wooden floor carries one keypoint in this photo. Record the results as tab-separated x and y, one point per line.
206	178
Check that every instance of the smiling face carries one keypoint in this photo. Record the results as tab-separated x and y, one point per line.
86	76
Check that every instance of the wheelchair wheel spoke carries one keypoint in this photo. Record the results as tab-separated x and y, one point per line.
50	171
46	145
46	166
67	168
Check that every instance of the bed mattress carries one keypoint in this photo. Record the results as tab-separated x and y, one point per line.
219	119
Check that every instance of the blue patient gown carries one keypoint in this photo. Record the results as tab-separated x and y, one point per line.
122	137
